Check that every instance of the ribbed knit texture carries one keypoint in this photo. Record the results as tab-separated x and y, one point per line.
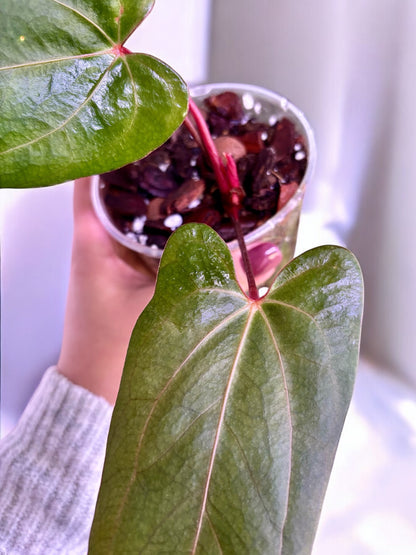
50	470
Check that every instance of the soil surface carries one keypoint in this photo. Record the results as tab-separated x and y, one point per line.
150	198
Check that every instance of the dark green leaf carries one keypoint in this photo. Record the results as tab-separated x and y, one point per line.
71	105
230	410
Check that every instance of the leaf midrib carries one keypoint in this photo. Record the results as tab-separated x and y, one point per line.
252	311
254	307
289	413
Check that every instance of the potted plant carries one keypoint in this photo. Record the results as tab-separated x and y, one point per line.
274	150
223	440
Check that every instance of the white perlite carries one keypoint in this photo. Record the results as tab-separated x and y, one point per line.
173	221
138	224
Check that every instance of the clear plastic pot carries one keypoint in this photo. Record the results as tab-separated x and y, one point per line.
272	244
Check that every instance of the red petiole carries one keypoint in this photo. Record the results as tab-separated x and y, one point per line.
228	183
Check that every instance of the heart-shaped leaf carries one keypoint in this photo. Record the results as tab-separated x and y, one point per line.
73	101
230	410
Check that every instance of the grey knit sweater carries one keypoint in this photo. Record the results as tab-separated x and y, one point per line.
50	470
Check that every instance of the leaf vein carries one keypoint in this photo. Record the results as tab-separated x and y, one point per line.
162	522
53	60
219	427
86	18
180	367
162	393
214	533
293	277
282	368
65	122
166	451
312	318
226	292
253	479
136	102
120	12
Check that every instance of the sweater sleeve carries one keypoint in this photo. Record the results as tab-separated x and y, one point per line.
50	470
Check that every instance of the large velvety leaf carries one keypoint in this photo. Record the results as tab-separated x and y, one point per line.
73	103
230	410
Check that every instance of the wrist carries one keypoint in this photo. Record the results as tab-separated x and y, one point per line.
97	332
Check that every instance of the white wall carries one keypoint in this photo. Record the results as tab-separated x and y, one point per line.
385	235
36	225
35	231
351	67
177	32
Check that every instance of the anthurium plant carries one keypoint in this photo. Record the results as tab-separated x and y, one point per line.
74	100
231	404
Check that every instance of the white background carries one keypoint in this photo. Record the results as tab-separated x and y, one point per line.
351	67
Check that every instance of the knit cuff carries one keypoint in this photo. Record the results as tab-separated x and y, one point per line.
67	408
50	469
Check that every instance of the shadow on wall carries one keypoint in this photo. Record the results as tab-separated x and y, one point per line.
352	68
385	233
36	231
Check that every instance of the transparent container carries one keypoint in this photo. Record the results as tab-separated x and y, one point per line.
272	244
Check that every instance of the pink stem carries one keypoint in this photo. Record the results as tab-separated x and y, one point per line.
230	188
191	128
235	192
234	211
209	147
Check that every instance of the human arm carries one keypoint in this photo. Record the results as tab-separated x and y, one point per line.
51	463
108	288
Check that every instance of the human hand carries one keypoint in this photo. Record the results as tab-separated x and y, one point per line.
109	286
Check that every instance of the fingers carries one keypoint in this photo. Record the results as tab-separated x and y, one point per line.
265	258
82	197
89	231
147	267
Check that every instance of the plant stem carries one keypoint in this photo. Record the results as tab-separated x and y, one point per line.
210	149
229	185
234	211
253	292
192	130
